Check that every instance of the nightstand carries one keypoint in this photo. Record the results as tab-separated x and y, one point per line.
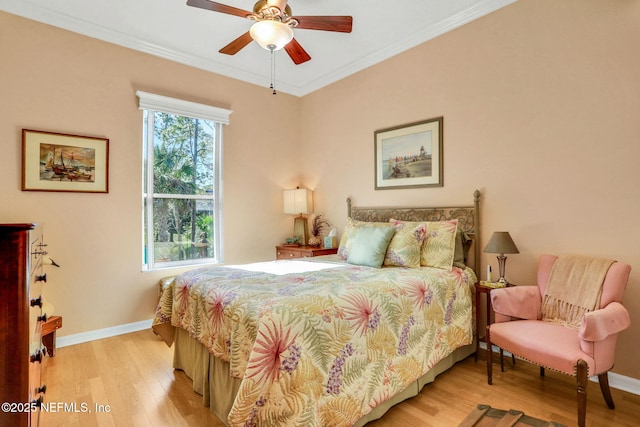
482	289
49	328
292	252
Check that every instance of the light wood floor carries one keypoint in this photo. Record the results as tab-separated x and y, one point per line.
132	374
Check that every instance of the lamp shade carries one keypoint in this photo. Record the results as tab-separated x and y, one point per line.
298	201
501	243
271	35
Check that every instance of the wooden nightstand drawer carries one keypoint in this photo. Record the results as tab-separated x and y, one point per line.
292	252
287	253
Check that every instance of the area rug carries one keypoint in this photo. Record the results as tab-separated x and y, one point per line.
486	416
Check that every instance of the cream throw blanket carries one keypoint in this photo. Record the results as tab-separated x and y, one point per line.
574	288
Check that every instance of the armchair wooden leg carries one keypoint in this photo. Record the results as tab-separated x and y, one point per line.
582	374
489	359
501	360
542	371
603	380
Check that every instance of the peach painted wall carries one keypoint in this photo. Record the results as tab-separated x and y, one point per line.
541	104
55	80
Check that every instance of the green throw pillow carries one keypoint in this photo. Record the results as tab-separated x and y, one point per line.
370	246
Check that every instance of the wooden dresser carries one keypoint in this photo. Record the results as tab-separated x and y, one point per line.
22	355
290	252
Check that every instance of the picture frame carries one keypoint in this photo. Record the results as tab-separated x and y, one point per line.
64	162
409	156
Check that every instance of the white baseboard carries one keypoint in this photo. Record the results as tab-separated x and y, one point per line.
616	381
103	333
624	383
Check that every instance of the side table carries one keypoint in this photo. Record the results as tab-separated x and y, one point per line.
49	329
482	289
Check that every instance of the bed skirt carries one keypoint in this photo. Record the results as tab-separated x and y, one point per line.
211	379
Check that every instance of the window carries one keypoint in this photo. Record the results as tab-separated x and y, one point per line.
182	177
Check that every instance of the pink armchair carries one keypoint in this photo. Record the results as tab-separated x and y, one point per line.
587	351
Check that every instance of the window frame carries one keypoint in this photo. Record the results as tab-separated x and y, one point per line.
153	103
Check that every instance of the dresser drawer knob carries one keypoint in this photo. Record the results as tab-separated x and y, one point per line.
42	318
36	302
38	402
41	277
36	357
42	389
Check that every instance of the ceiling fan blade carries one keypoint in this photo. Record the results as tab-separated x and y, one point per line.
340	24
296	52
218	7
237	45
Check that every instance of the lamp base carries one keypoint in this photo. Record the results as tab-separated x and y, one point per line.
501	263
301	229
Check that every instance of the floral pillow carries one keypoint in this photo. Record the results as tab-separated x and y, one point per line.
438	248
405	247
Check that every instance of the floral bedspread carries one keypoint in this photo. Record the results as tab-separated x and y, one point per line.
326	347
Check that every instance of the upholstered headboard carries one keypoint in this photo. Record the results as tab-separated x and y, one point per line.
468	219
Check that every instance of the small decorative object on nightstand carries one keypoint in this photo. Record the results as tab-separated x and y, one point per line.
492	285
317	226
302	251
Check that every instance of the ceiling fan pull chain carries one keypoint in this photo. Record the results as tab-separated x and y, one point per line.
273	71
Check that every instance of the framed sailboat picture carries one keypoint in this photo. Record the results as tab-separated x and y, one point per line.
62	162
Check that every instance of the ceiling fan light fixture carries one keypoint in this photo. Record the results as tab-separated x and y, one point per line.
271	35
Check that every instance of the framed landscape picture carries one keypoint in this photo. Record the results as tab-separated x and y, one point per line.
409	156
62	162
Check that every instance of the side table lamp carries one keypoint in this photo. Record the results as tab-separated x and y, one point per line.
299	201
501	243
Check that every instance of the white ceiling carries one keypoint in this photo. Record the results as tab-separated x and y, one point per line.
170	29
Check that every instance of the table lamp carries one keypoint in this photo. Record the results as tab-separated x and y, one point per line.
299	201
501	243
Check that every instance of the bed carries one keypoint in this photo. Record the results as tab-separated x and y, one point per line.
333	340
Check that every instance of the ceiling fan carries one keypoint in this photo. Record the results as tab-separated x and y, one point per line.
273	27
